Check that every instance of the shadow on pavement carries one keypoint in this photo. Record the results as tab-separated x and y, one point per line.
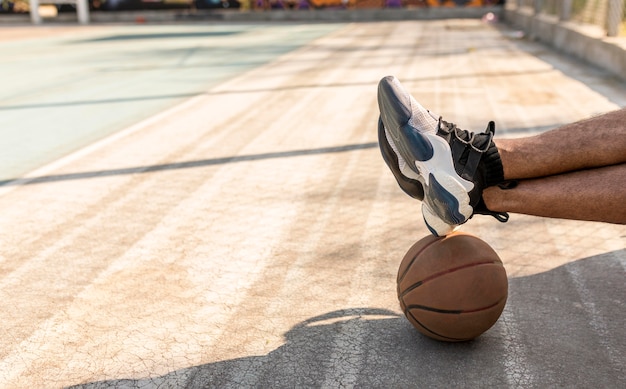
124	37
561	328
124	100
185	165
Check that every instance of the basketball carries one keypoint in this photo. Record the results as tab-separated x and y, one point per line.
452	288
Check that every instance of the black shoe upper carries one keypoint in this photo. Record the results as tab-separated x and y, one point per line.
476	159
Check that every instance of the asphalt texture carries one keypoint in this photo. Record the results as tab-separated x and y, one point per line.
205	206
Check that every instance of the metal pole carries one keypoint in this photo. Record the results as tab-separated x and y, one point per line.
565	13
82	9
34	12
538	6
615	11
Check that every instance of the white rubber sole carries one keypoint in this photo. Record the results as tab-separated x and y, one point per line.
446	194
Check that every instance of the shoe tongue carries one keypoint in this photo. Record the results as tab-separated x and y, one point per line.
480	140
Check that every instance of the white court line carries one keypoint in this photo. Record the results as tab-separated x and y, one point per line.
596	320
517	368
63	161
348	346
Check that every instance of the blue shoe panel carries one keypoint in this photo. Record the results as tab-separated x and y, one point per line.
444	203
417	144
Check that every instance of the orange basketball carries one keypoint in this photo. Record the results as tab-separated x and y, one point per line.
452	288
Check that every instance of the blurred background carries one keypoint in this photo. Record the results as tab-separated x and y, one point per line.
22	6
600	13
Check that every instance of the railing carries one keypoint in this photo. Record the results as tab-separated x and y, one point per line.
82	9
608	14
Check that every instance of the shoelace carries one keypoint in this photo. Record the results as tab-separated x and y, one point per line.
452	128
503	217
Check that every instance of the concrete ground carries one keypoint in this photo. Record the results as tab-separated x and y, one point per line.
210	209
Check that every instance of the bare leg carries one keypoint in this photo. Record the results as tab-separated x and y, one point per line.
593	194
595	142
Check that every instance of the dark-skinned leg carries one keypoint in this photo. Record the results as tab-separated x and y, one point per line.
595	142
593	194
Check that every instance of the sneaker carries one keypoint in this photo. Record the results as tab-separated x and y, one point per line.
453	166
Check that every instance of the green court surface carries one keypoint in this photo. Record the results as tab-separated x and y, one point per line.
60	93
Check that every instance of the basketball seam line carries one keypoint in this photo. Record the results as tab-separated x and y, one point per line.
433	276
452	311
408	313
433	332
401	277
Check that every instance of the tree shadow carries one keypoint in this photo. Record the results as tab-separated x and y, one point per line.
561	328
185	164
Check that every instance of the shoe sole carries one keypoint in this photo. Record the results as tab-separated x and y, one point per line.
446	194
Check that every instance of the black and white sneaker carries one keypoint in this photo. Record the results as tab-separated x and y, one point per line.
452	165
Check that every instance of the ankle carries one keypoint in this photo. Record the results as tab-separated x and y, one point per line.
492	162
